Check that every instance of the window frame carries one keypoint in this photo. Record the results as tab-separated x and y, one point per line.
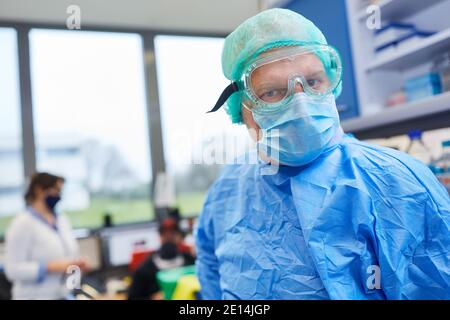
154	125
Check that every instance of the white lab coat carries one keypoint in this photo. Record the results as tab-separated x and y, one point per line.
30	244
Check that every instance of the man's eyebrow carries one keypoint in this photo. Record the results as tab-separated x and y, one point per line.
270	79
270	83
315	73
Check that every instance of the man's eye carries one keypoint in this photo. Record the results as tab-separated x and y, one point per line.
313	83
271	94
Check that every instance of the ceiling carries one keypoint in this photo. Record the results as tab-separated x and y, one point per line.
213	16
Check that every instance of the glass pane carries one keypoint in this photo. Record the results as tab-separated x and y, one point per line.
91	122
11	163
190	80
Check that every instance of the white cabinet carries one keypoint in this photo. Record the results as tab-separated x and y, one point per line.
380	75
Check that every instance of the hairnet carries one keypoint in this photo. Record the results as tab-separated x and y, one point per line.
267	30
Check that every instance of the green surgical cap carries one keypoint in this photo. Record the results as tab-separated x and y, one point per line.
267	30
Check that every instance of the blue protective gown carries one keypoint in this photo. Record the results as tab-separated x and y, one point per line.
328	230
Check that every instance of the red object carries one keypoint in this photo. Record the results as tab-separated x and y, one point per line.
168	225
396	99
184	248
137	258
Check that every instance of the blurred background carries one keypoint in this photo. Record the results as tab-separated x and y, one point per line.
117	106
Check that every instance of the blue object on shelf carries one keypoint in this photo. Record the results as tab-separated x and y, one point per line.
397	25
415	134
423	87
409	35
394	33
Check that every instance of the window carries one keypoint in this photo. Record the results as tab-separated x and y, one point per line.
190	80
91	122
11	163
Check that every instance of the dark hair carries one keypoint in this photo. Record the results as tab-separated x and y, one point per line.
42	180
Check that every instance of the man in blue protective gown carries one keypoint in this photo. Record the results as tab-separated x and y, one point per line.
339	218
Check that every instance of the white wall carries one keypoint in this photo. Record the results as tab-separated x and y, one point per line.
178	15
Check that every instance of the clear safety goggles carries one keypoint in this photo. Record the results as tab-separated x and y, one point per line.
271	80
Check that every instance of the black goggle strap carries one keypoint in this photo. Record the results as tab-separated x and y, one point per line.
232	88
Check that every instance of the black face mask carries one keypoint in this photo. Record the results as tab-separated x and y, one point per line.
168	251
51	202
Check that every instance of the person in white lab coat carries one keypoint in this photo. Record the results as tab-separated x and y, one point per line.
40	247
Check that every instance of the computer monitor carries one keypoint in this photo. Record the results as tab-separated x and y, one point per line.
120	244
90	249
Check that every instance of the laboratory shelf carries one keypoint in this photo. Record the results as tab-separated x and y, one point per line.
427	114
399	9
417	53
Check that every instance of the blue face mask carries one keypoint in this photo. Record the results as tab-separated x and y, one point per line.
51	202
301	131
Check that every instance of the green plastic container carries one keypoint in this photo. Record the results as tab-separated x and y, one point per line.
167	279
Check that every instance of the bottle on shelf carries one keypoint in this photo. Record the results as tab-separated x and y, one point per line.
417	148
441	167
441	66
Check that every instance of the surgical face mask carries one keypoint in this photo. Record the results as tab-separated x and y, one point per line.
299	132
51	202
